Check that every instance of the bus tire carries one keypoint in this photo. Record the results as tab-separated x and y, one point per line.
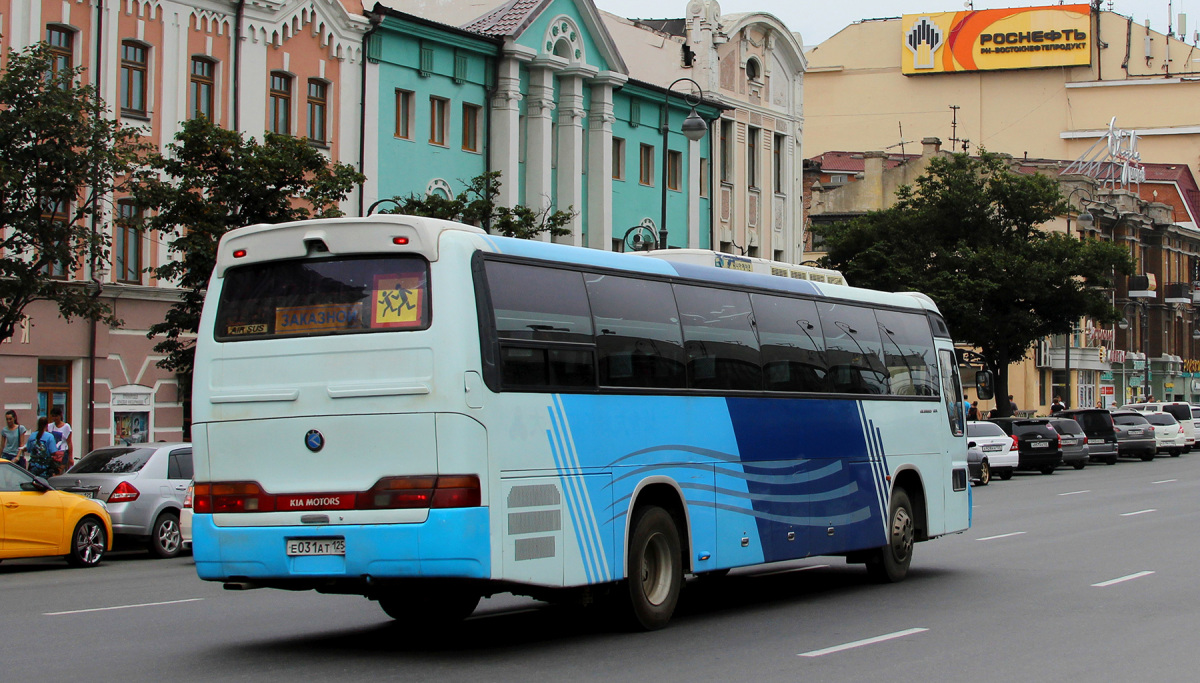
430	610
889	564
654	574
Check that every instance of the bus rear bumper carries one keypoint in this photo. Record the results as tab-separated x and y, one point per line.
449	544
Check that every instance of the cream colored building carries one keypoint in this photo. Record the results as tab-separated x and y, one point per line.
857	98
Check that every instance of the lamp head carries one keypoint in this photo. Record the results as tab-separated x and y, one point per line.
1124	324
1085	220
694	127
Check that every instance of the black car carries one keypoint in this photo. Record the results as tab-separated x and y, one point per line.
1097	424
1135	435
1038	445
1073	441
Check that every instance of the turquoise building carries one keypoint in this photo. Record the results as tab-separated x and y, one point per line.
537	90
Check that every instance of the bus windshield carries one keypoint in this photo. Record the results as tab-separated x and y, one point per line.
323	296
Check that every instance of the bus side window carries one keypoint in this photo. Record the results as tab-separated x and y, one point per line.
718	336
853	349
952	390
638	339
908	353
793	347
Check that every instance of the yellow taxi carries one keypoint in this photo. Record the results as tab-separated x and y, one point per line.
36	520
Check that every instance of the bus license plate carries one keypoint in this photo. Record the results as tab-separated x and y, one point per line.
316	546
1039	444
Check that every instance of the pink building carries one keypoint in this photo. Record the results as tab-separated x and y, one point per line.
288	66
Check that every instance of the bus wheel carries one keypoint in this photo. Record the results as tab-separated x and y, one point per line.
436	610
889	564
655	569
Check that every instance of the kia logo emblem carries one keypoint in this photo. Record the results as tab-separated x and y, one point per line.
314	441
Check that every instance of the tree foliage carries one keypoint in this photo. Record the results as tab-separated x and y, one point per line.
476	205
969	235
210	181
60	153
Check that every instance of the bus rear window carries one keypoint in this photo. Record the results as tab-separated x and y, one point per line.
313	297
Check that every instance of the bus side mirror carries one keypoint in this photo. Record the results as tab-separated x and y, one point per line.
983	385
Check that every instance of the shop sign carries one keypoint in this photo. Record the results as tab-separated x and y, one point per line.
1168	385
1139	365
1135	381
996	39
1106	377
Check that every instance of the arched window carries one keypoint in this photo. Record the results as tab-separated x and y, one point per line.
134	66
753	70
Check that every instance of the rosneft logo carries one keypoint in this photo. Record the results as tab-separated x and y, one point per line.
314	440
923	41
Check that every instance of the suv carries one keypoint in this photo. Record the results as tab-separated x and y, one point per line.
1097	424
1180	411
1168	433
999	450
1135	435
1074	441
143	486
1037	442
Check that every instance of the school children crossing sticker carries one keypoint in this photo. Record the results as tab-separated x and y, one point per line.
398	302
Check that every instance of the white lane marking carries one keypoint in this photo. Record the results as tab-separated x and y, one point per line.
1139	512
992	538
860	643
1164	481
1071	493
1131	577
105	609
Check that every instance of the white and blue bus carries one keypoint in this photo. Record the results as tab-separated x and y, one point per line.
419	412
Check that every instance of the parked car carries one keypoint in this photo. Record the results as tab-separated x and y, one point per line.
1180	411
1037	443
998	450
1135	436
1169	436
1097	424
36	520
1073	440
977	466
185	518
143	486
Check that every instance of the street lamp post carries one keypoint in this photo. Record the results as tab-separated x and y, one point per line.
693	129
1144	325
1085	220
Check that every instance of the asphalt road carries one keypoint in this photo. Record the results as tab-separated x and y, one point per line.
1076	576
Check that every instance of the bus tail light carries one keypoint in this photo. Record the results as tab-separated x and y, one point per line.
392	493
457	492
237	496
389	493
124	493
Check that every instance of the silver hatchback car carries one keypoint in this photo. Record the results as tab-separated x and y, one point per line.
143	486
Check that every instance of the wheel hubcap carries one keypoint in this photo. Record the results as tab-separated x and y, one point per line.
168	536
656	570
902	534
89	543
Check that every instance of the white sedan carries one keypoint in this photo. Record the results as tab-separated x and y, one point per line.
185	519
1000	454
1169	435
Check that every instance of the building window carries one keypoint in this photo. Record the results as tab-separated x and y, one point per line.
470	126
674	169
318	101
404	115
127	247
618	159
704	177
646	165
727	151
439	120
62	47
753	70
281	103
133	78
752	157
56	213
54	387
778	162
203	84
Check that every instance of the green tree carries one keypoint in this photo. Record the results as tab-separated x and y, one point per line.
60	154
476	205
968	235
210	181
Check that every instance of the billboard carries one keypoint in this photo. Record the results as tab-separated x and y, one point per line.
996	39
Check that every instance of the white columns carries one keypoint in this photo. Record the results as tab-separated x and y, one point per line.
600	160
693	193
539	118
504	138
570	148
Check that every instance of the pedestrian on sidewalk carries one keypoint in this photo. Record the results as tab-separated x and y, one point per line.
40	449
63	455
12	439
